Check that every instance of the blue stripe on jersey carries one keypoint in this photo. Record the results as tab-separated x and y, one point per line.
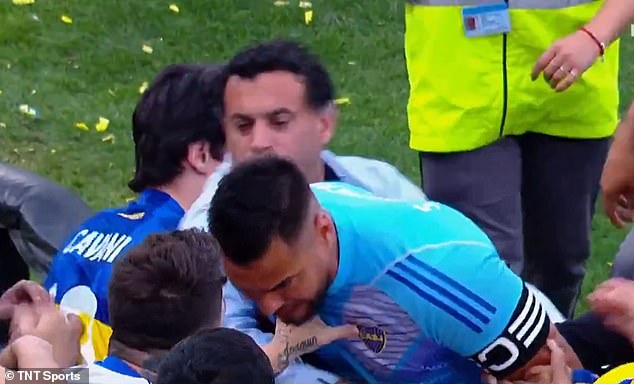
453	283
429	297
444	292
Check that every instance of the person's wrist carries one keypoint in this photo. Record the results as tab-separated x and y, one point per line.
595	39
275	352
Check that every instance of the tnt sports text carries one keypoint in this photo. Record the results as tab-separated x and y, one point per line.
42	375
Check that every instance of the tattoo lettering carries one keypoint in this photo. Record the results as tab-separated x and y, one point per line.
295	350
300	347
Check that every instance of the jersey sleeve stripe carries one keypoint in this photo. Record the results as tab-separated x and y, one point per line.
437	289
433	300
529	340
535	309
452	283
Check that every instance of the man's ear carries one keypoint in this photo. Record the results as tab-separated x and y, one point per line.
199	158
324	226
327	124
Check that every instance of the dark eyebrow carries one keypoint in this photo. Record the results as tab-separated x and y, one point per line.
237	116
279	111
278	285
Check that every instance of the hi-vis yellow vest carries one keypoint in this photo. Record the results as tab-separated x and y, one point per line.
466	93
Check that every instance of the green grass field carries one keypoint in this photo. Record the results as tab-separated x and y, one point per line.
94	66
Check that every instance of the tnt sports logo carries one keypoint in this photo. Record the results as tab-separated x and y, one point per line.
374	338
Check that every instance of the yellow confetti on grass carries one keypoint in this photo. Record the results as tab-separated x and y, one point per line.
108	138
342	101
66	19
27	110
147	49
174	8
81	125
308	17
102	124
143	87
23	2
305	4
280	3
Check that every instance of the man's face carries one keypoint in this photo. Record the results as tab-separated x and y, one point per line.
288	281
269	114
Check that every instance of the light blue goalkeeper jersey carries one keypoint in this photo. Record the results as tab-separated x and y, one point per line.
428	290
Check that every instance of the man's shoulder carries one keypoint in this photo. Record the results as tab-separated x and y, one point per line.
127	218
99	374
376	176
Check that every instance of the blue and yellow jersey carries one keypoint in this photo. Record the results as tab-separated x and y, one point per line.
623	374
433	300
80	272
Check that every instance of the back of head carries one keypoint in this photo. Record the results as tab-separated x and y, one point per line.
260	199
166	289
175	111
216	356
286	56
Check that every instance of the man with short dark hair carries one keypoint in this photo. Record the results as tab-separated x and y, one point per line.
216	356
415	277
277	98
162	291
178	145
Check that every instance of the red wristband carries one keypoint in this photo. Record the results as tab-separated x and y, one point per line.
600	44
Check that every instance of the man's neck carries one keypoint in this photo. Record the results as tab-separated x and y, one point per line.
145	363
184	191
317	173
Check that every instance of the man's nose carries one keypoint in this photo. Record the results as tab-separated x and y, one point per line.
270	304
261	141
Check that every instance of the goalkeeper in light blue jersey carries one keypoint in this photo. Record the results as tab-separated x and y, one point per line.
433	301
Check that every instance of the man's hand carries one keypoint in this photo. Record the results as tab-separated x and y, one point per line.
617	180
566	60
45	321
23	292
290	341
612	302
558	372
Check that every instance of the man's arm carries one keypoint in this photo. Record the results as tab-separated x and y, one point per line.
241	314
598	347
617	180
447	290
380	178
612	20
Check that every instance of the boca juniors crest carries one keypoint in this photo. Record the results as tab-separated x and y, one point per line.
374	338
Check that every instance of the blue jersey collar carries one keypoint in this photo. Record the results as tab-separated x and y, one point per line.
115	364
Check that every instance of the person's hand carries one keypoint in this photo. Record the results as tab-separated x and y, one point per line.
45	321
558	372
612	302
24	291
617	181
566	60
291	341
